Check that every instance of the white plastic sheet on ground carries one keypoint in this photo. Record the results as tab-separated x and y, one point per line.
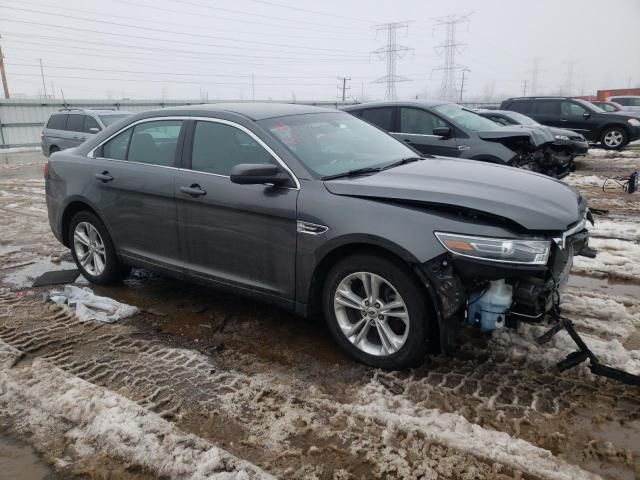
89	306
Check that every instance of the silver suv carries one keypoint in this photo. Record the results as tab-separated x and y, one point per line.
68	128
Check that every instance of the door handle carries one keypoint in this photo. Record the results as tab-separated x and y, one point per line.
104	177
564	120
408	140
194	190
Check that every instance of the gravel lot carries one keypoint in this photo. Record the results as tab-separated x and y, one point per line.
203	384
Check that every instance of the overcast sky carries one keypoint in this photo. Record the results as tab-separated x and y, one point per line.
297	49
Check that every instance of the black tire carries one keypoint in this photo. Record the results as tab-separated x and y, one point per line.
53	149
114	271
401	278
614	130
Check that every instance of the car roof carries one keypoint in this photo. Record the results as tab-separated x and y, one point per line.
96	110
396	103
254	111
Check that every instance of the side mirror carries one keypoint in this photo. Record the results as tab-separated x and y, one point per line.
94	130
586	114
258	173
444	132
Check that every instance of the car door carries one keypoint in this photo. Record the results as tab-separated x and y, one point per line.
75	130
576	117
416	128
240	235
132	185
547	112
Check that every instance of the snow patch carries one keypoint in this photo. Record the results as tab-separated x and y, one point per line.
398	413
45	400
20	149
616	258
584	180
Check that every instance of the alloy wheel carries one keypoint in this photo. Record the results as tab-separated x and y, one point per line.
89	248
613	138
371	313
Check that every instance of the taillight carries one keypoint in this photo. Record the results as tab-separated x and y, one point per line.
46	168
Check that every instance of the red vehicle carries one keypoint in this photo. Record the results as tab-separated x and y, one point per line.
607	106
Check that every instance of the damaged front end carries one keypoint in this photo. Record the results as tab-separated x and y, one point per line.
536	150
491	283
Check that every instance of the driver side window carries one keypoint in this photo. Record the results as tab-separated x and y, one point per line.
571	109
416	121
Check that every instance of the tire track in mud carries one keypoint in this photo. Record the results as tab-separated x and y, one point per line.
285	426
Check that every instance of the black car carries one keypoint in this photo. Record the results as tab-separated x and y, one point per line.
447	129
567	142
611	130
315	210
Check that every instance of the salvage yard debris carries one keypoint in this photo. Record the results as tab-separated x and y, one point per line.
89	306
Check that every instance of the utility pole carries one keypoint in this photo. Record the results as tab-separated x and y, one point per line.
448	88
3	74
253	88
568	82
462	83
391	53
44	86
343	81
524	89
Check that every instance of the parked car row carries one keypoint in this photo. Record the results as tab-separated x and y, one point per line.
321	212
448	129
612	130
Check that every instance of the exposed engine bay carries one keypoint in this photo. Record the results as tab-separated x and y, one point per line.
536	150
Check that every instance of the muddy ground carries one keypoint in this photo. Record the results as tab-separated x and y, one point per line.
257	391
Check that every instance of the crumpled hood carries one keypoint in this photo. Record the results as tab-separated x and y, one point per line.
534	201
537	137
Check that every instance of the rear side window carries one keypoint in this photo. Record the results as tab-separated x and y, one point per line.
522	106
89	123
218	147
622	101
382	117
155	142
57	122
116	148
548	107
75	123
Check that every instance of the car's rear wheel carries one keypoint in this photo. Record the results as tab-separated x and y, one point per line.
376	311
53	149
93	250
613	138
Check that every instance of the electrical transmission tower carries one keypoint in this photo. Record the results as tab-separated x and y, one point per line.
535	71
568	81
448	87
391	52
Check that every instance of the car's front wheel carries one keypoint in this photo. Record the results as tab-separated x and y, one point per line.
93	250
376	311
613	138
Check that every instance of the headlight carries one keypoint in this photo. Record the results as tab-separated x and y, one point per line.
634	121
504	250
562	137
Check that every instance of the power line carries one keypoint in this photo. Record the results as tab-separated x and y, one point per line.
191	26
448	88
171	32
391	53
288	7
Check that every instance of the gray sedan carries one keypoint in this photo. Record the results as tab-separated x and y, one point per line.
318	212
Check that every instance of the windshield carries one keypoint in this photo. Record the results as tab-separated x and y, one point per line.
335	143
109	119
466	118
521	119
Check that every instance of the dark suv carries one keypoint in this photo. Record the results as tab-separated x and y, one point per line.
611	130
316	210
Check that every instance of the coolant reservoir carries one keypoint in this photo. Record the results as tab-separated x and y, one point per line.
487	309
